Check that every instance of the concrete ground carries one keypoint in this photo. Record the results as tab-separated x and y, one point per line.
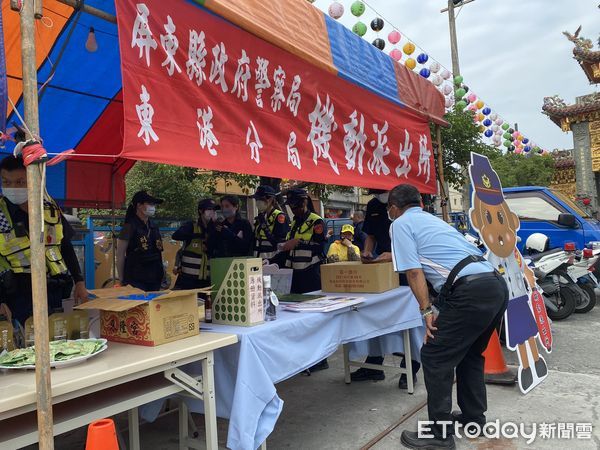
321	412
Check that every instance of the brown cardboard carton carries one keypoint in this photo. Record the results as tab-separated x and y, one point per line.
168	317
358	277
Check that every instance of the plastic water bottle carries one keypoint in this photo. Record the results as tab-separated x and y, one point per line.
269	307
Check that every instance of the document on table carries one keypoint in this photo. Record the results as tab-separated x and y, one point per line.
326	304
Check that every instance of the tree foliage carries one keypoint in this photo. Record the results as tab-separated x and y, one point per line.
520	170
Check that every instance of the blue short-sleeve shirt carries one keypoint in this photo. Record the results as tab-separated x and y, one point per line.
422	241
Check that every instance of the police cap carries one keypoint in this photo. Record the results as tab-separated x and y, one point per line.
264	192
144	197
295	196
207	203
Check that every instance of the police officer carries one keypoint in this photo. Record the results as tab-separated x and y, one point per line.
232	236
194	267
62	265
378	243
139	246
305	243
473	298
271	225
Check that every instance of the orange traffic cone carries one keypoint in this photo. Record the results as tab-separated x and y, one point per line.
102	435
496	370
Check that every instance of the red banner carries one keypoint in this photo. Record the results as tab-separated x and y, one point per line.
201	92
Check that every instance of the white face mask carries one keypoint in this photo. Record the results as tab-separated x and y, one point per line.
383	198
210	215
261	205
390	217
16	196
150	210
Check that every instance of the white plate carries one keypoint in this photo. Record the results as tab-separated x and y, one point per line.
69	362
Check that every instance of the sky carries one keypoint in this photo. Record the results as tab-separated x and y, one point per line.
512	52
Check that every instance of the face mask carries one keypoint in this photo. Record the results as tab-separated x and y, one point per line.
383	198
261	205
16	196
390	216
150	211
209	215
228	213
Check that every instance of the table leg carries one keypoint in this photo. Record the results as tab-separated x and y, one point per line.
183	425
408	359
134	429
346	350
210	409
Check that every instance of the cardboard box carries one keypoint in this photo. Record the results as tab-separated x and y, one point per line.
358	277
132	316
237	291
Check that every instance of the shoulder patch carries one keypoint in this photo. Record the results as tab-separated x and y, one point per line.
281	218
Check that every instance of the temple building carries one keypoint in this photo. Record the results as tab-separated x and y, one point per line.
583	119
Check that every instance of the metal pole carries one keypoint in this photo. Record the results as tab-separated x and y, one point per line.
442	181
38	260
79	5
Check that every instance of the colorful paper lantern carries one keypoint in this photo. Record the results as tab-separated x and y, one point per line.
493	116
425	72
409	48
472	97
377	24
465	87
486	110
487	123
422	58
434	67
505	126
481	128
379	43
460	92
447	89
359	29
357	8
410	63
527	149
480	104
436	79
394	37
495	127
506	135
336	10
525	141
507	144
461	105
480	117
519	151
445	74
511	130
458	80
449	102
396	54
488	133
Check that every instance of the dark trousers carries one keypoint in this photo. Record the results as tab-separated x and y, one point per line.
466	321
307	280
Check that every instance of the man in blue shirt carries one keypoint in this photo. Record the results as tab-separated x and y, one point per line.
472	299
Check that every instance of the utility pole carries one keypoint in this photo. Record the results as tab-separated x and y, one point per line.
36	233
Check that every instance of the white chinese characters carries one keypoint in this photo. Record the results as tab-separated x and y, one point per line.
196	57
142	35
377	164
242	75
145	113
424	158
277	98
405	151
292	152
253	140
262	79
294	97
208	140
322	123
354	142
170	44
217	69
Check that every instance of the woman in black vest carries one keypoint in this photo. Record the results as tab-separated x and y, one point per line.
233	235
139	248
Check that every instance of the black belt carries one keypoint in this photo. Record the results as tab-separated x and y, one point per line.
468	278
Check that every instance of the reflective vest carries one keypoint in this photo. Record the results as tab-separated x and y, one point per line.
264	249
17	251
305	254
194	260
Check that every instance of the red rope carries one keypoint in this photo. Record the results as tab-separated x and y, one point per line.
36	153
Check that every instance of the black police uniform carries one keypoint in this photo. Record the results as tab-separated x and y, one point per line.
377	224
143	259
234	239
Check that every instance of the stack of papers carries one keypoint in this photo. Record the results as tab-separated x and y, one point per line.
324	304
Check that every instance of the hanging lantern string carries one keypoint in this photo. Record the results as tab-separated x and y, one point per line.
378	14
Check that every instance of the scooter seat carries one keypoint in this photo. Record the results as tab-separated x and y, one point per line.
538	256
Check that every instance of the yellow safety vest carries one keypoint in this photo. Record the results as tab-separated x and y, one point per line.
303	256
17	250
264	248
194	260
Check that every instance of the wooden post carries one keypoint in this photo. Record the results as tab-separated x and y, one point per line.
440	163
90	10
38	259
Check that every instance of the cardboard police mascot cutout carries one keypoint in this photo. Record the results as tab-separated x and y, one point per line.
525	319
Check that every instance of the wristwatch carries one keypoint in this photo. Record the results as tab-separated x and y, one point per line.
427	311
